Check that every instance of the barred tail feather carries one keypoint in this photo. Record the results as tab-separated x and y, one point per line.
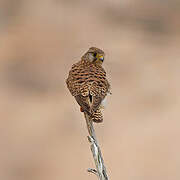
97	116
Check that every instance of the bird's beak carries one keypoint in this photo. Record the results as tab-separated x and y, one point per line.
101	58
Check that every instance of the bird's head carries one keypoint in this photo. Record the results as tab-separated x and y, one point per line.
94	55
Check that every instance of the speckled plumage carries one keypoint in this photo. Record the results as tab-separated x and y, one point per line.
88	84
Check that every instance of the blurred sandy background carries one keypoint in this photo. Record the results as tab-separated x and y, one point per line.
42	132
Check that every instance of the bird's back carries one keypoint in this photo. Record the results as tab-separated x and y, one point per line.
86	77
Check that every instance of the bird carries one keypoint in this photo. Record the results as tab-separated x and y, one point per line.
87	82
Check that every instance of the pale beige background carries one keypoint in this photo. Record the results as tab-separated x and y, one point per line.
42	132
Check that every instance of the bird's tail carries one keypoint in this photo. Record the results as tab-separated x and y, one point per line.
97	116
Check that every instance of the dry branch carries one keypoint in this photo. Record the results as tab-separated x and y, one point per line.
97	155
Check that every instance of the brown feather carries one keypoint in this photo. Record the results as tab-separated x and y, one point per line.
83	102
96	102
87	79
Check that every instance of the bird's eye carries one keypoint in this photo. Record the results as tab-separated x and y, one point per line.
95	54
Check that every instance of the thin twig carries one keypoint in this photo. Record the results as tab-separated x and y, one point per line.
98	159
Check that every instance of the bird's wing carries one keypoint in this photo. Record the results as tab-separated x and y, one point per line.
96	102
83	102
99	91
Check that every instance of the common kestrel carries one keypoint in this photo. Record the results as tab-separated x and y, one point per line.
88	84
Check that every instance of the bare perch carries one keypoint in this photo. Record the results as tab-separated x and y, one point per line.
98	159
